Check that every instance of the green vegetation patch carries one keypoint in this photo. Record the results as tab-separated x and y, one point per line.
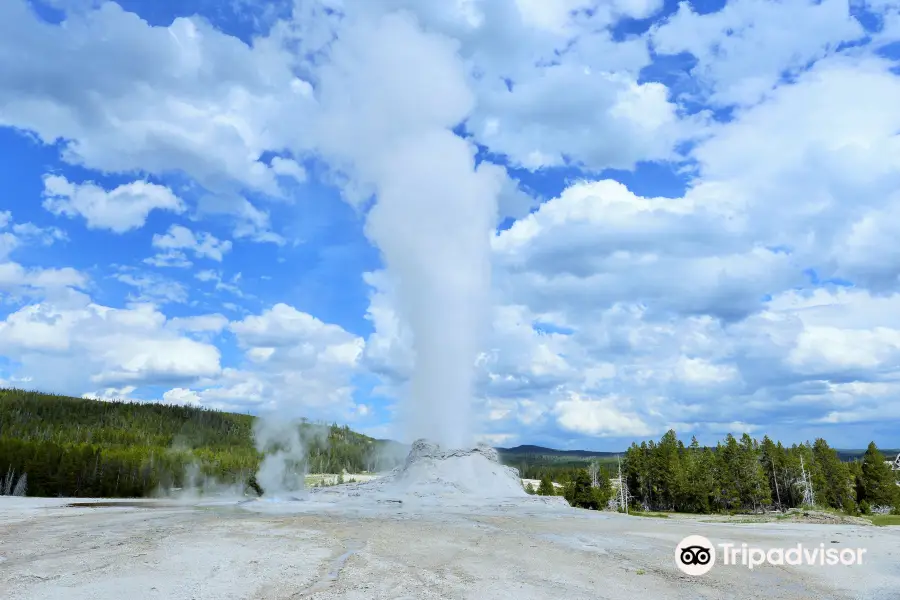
755	477
884	520
73	447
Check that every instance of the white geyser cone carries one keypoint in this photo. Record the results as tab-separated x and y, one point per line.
430	470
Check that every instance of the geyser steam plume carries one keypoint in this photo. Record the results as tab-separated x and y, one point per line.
432	223
434	210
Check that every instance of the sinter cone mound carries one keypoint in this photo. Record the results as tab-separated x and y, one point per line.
430	470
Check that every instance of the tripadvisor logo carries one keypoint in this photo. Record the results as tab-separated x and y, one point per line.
696	555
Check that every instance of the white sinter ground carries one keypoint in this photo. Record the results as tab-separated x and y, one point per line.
444	525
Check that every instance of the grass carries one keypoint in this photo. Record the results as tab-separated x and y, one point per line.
884	520
657	515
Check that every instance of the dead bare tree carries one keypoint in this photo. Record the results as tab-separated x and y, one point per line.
622	491
594	472
9	486
808	497
775	477
21	485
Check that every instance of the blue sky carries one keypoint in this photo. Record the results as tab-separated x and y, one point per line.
692	211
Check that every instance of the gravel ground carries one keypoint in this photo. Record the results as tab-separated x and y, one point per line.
520	549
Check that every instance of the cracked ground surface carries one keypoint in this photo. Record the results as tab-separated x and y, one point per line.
49	550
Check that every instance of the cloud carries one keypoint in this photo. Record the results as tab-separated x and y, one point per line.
169	259
388	350
296	365
153	288
604	120
119	210
183	99
79	345
598	417
284	327
182	397
221	284
522	54
598	244
14	235
250	222
212	323
751	217
844	332
14	278
17	280
833	181
288	167
638	9
8	243
134	97
730	67
202	244
522	361
112	394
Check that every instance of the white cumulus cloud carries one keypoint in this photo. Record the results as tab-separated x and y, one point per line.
121	209
201	244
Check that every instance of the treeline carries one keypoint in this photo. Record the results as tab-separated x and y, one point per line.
583	487
746	475
60	446
557	469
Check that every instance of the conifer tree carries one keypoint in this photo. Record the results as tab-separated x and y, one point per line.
772	458
546	487
875	482
830	477
580	493
697	484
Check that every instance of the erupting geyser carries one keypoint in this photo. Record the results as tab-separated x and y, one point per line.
435	206
432	223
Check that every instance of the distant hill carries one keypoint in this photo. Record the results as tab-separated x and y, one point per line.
534	462
528	449
849	455
845	455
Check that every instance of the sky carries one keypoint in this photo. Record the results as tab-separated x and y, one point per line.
695	206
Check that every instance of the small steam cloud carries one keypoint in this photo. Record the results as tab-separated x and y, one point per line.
283	467
284	444
387	456
194	482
